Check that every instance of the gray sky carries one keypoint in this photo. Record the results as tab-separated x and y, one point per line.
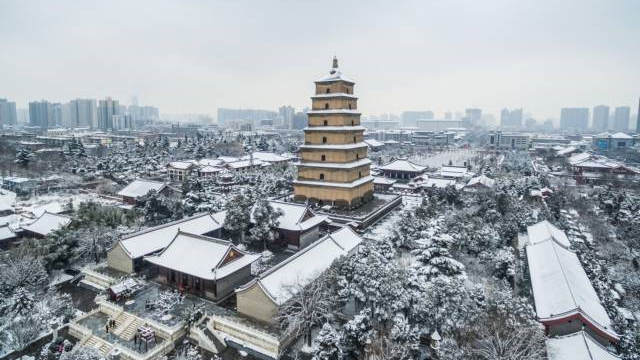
194	56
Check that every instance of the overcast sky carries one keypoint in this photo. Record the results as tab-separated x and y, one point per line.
196	56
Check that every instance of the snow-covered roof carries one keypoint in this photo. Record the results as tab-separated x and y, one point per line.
335	184
566	150
47	223
141	187
577	346
266	157
383	181
6	233
227	159
241	164
561	287
335	147
181	165
578	158
437	183
334	128
202	256
454	171
295	217
282	281
403	165
373	143
334	75
543	231
157	238
348	165
334	95
481	180
618	135
210	162
210	169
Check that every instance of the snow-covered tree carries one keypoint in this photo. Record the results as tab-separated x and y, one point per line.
22	271
327	345
266	222
82	353
238	216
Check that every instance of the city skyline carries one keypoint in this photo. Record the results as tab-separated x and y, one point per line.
428	56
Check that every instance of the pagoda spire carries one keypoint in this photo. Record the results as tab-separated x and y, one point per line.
334	66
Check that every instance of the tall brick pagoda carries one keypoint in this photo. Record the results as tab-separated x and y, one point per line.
334	168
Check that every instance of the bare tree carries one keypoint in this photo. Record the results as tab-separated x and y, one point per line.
500	342
309	305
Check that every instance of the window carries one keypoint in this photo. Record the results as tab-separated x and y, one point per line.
326	106
355	140
328	90
324	139
323	157
357	156
359	174
321	176
325	123
349	106
352	123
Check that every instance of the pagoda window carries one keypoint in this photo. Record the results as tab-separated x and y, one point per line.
355	140
359	174
328	90
321	176
349	106
326	106
352	123
324	139
357	156
325	123
323	157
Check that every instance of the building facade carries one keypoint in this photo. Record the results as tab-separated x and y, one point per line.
508	141
621	118
40	114
334	168
107	108
511	118
600	117
574	118
8	114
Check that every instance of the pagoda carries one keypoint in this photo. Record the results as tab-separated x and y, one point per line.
334	168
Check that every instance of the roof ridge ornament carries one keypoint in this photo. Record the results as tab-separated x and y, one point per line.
334	66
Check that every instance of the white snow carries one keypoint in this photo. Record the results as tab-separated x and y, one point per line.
335	184
141	187
348	165
281	281
335	146
577	346
481	180
47	223
181	165
403	165
334	95
544	231
333	111
201	256
335	128
157	238
6	233
560	285
293	216
373	143
266	157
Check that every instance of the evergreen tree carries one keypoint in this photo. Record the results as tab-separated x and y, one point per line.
328	344
238	216
266	222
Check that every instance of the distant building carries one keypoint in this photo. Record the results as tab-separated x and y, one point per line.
508	141
40	114
511	118
473	117
55	114
285	116
381	124
600	117
621	118
107	108
236	117
438	125
141	115
608	141
300	120
8	114
574	118
82	113
638	120
409	118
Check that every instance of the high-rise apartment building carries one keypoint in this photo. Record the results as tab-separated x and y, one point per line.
473	117
600	118
8	114
285	116
410	118
236	117
574	118
107	108
621	118
40	114
511	118
82	113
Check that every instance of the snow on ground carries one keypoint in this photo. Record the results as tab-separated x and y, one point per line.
457	157
55	203
384	227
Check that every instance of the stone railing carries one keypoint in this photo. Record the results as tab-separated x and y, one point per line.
244	333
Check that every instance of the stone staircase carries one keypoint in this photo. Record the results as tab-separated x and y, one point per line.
129	331
99	344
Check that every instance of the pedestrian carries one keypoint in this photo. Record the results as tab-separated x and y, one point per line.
107	328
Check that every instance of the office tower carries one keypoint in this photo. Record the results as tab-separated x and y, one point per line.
8	114
107	108
574	118
40	114
511	118
334	168
600	117
621	118
410	118
286	116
